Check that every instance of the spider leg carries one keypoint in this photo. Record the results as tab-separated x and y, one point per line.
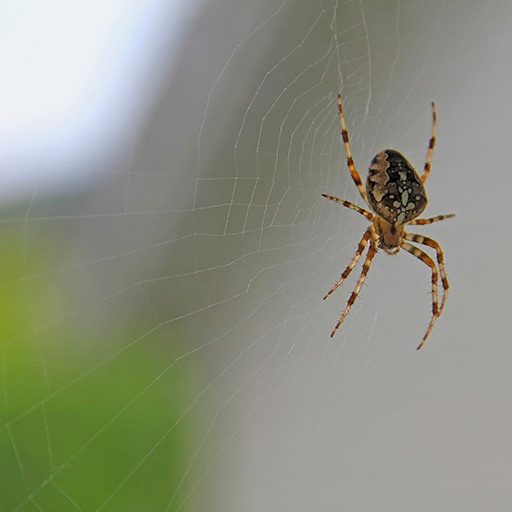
350	205
360	248
421	222
350	161
366	266
425	258
419	239
431	145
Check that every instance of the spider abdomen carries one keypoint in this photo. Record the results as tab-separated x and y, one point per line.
394	189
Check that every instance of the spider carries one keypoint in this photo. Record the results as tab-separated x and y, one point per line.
396	194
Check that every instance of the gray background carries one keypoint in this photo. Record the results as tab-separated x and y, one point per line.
212	221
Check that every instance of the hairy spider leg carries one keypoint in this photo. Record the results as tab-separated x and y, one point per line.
350	205
425	258
431	145
350	161
360	248
424	240
366	267
437	218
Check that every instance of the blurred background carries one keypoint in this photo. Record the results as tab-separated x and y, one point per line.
165	250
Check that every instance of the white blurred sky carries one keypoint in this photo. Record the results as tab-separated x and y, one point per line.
74	76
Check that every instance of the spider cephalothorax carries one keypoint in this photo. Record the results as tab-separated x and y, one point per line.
387	236
396	194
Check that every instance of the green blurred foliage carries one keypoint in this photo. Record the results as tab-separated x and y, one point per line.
87	421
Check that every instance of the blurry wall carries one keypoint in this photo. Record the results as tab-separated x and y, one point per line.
170	314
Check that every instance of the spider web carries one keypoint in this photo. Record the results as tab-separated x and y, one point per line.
166	346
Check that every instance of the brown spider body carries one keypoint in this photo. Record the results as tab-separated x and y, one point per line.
387	236
394	189
396	194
